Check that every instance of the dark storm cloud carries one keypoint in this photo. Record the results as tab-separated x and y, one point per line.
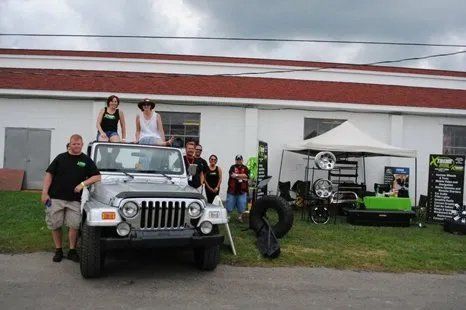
411	21
370	19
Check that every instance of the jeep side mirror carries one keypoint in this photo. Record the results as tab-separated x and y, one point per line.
192	169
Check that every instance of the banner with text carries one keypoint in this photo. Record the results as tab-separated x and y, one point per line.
262	169
446	185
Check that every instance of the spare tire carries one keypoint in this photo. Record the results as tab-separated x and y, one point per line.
284	211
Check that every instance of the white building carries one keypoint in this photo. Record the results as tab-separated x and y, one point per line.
45	96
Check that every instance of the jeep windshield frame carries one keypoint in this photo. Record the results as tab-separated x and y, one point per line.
138	159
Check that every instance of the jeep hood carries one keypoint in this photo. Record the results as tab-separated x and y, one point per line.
104	192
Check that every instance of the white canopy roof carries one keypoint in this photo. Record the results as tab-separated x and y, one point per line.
349	140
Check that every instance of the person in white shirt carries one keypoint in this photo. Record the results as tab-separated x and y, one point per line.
149	127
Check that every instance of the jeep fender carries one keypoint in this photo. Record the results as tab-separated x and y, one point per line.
94	210
215	214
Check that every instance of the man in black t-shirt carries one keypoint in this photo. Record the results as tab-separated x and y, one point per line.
189	159
64	181
203	163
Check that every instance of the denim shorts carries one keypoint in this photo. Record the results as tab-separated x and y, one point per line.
108	133
150	140
236	201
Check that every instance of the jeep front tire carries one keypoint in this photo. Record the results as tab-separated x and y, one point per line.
91	258
207	258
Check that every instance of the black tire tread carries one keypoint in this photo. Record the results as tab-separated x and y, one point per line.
207	258
285	214
90	252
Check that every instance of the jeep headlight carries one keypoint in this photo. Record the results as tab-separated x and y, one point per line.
129	209
123	229
206	227
194	210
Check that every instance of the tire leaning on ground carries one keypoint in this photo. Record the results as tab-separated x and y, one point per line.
284	211
90	256
207	258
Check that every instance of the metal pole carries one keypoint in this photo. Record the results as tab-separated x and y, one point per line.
415	181
280	173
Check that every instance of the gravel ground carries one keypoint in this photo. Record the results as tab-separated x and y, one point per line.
146	281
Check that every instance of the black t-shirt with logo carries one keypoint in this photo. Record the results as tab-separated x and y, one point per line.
204	165
201	168
68	171
110	121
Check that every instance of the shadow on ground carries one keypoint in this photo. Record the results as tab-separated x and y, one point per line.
142	263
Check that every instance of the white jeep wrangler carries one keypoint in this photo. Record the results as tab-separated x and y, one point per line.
144	200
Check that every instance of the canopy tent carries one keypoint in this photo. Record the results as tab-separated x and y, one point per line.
347	139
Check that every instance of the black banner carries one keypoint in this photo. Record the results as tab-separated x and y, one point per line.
446	185
262	171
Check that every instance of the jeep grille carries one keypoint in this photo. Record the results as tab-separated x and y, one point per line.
163	214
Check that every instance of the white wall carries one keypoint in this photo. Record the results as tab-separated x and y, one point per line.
425	134
222	133
63	117
224	130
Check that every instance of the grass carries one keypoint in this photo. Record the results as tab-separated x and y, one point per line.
23	226
342	246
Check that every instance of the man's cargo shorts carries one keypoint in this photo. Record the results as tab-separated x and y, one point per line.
63	212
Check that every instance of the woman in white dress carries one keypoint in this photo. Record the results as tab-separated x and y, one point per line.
149	127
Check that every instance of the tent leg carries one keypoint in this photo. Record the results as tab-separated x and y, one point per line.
280	173
306	173
306	193
364	169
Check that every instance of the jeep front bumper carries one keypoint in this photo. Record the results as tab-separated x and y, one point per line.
154	239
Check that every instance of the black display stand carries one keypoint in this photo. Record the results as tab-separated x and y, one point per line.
345	171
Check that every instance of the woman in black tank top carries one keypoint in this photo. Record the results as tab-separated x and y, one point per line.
213	179
108	119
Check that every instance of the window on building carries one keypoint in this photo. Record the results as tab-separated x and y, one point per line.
183	126
454	140
317	126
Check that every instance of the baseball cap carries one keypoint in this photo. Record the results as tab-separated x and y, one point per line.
239	157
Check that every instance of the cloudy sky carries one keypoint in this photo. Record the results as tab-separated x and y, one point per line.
426	21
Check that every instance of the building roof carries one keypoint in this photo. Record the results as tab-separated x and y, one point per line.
236	60
229	86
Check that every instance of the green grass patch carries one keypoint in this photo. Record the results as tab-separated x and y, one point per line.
23	228
342	246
